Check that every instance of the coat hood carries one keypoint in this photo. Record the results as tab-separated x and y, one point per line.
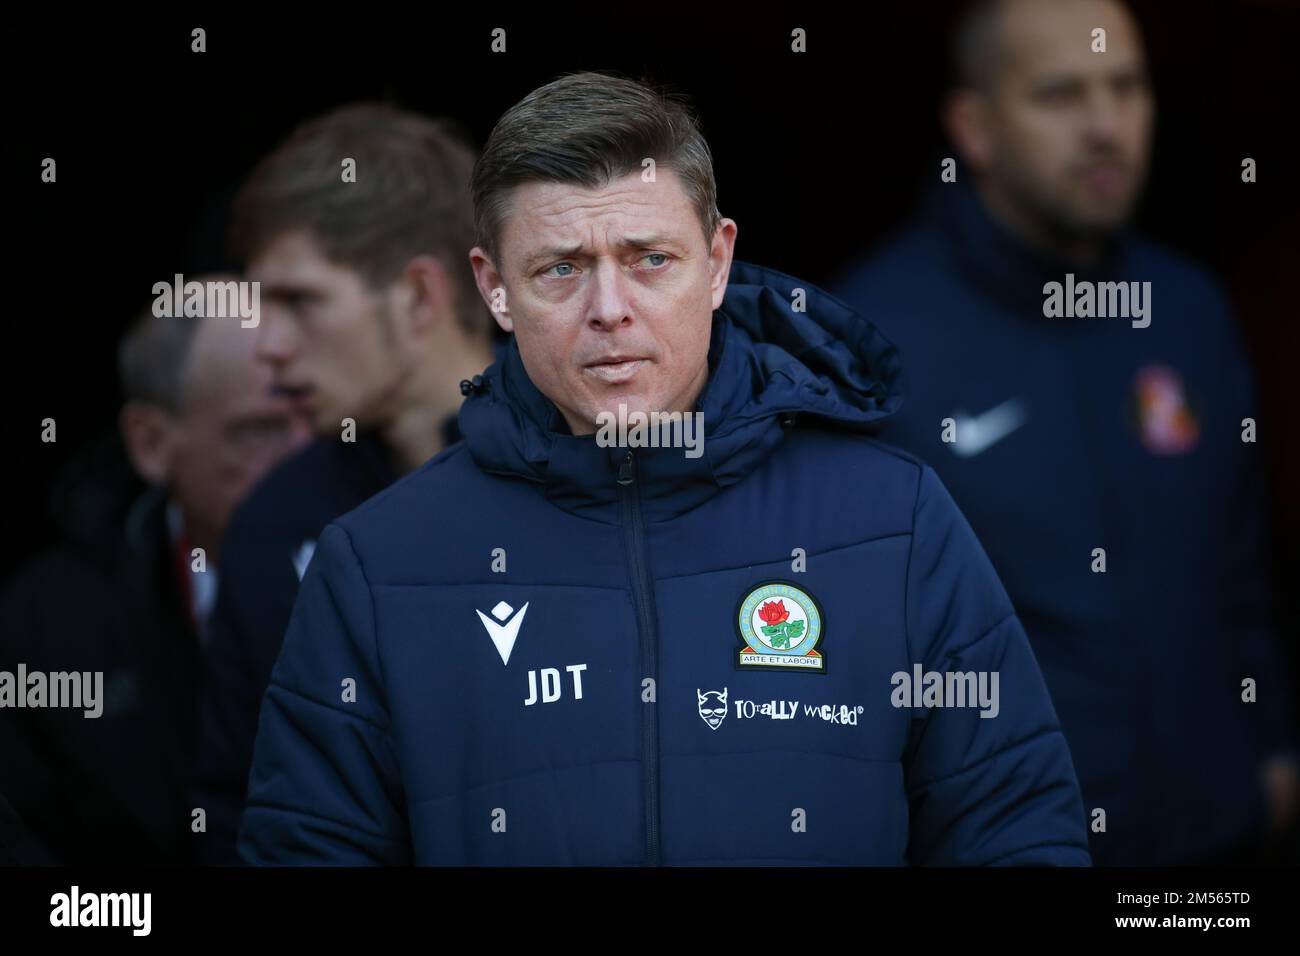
770	368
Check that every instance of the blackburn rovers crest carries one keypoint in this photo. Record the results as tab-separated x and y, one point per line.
780	627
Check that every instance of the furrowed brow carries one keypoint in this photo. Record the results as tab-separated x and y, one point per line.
646	242
553	252
650	241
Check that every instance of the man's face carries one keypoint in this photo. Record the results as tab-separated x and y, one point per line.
231	429
329	340
1067	131
610	293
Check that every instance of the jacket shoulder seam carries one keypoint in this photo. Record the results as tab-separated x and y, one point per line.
376	500
280	685
873	539
1019	742
297	811
983	634
370	599
907	568
1036	846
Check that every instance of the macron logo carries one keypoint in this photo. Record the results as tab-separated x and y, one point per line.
503	635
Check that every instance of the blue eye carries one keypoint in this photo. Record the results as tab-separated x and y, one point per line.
657	255
562	265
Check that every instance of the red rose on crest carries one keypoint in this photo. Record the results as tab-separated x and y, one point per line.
773	612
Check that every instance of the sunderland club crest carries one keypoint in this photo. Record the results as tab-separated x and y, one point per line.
780	627
1167	423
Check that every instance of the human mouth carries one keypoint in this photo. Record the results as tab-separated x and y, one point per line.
617	370
1107	179
298	396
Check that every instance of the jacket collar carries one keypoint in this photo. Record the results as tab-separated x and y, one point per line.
769	367
999	262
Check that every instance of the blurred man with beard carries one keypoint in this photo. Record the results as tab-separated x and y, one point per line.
1098	451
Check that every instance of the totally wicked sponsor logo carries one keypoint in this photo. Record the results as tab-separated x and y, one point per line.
792	709
715	705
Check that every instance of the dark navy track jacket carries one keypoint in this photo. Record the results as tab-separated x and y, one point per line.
539	650
1077	434
264	554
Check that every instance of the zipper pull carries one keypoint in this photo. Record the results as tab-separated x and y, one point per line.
627	470
473	386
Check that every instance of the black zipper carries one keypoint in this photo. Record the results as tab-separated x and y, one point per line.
643	600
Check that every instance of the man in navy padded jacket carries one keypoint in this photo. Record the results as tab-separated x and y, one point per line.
585	636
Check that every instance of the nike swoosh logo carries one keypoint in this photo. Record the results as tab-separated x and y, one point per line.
302	557
503	635
978	433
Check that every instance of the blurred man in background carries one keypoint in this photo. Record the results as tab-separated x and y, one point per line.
128	592
1100	459
357	228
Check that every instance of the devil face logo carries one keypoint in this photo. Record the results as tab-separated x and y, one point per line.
713	707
